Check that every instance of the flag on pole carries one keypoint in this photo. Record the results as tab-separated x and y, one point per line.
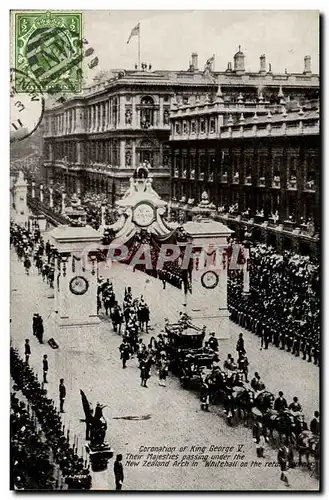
134	32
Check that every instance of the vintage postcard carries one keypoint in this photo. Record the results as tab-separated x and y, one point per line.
165	250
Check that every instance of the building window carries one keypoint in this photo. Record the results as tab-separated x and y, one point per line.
202	127
145	152
184	128
177	128
147	112
212	126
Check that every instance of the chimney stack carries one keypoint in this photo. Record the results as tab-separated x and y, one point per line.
307	65
262	64
195	61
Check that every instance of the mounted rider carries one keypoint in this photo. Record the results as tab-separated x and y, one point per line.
280	404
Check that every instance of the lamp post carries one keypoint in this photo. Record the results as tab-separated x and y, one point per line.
246	266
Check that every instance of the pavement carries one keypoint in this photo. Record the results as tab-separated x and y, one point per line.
157	416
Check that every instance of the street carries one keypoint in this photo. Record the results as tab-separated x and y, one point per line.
156	416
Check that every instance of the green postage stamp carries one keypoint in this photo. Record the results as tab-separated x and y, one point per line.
48	48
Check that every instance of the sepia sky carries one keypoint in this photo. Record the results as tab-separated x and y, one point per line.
169	37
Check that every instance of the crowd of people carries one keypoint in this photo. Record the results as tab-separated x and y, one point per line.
283	306
31	465
55	444
31	250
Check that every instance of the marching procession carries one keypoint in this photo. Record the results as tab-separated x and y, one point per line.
220	378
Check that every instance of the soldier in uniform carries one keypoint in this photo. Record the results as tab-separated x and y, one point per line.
45	368
285	459
308	348
276	337
280	403
315	423
40	329
316	354
303	347
124	353
296	345
240	345
62	395
35	323
290	340
27	351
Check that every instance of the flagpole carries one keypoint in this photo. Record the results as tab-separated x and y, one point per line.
139	48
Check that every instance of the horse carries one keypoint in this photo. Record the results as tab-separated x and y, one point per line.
217	384
308	444
243	402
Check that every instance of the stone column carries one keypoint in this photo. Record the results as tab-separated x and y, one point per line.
91	117
122	111
33	191
104	115
161	112
41	193
79	152
134	113
133	158
122	153
51	201
63	202
51	152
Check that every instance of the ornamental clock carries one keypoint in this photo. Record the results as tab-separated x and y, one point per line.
79	285
143	214
209	280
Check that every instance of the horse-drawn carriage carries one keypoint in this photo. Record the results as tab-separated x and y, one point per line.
184	348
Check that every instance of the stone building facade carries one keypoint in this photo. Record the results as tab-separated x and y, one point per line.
255	161
94	141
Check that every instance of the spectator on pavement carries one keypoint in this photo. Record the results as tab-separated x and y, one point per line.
118	472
